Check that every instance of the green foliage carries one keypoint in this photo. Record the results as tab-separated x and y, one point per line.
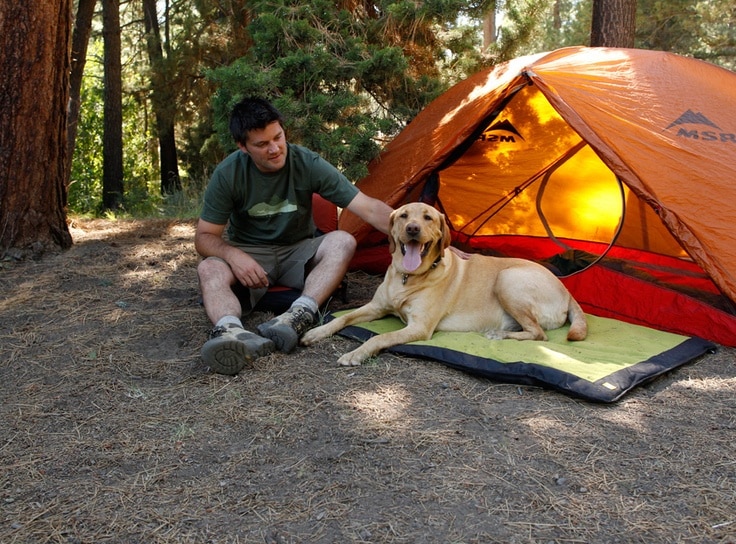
704	29
142	196
345	80
667	26
347	75
85	187
532	26
718	36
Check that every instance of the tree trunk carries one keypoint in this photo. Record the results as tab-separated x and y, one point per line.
489	29
556	17
34	90
614	23
80	41
163	103
112	145
170	180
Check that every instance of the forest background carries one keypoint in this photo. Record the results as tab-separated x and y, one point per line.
348	76
132	96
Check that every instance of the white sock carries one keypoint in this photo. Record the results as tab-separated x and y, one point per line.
307	302
229	319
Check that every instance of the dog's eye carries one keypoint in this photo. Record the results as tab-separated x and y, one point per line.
427	217
404	215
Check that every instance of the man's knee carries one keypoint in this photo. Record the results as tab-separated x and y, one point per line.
340	241
213	268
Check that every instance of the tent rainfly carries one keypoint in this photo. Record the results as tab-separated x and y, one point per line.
614	167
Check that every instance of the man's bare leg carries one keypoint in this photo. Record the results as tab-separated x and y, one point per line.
230	347
215	282
329	266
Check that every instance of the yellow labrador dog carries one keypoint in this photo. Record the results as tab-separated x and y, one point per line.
431	288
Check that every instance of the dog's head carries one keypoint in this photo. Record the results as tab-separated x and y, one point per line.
418	236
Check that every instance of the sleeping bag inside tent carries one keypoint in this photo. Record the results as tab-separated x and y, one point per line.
616	168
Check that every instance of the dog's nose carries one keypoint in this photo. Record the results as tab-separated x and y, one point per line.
412	229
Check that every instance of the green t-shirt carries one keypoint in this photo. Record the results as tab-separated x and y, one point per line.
272	208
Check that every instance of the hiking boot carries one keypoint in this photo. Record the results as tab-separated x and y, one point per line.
231	348
286	329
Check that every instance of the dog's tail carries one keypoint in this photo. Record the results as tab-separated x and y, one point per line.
578	323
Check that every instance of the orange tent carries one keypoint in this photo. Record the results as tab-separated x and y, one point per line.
616	167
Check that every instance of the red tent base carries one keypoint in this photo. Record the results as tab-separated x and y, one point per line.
608	293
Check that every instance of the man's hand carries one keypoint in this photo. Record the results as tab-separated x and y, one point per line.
209	243
247	270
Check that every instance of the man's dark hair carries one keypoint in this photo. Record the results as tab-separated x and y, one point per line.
251	114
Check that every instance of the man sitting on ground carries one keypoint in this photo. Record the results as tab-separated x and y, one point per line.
264	192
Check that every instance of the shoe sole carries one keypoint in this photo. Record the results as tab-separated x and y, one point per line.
232	356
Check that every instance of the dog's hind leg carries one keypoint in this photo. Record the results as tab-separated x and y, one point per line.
535	333
530	328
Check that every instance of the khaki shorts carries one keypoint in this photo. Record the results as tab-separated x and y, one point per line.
284	265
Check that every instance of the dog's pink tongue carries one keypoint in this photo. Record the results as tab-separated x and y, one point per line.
412	257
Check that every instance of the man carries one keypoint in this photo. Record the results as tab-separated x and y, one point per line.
264	191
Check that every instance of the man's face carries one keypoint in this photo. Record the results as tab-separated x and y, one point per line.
267	147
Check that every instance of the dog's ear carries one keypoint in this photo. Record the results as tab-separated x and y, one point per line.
391	240
446	235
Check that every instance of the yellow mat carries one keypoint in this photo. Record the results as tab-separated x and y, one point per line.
613	359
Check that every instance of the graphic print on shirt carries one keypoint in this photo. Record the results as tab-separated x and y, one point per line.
276	207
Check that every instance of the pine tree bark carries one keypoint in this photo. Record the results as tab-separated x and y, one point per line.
112	145
163	103
80	41
613	24
35	38
489	29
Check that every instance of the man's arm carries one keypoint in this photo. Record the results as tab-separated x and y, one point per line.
371	210
208	242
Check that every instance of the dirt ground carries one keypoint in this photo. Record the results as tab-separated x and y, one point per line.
114	431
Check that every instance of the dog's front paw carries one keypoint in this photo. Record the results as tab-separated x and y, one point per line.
312	336
352	358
